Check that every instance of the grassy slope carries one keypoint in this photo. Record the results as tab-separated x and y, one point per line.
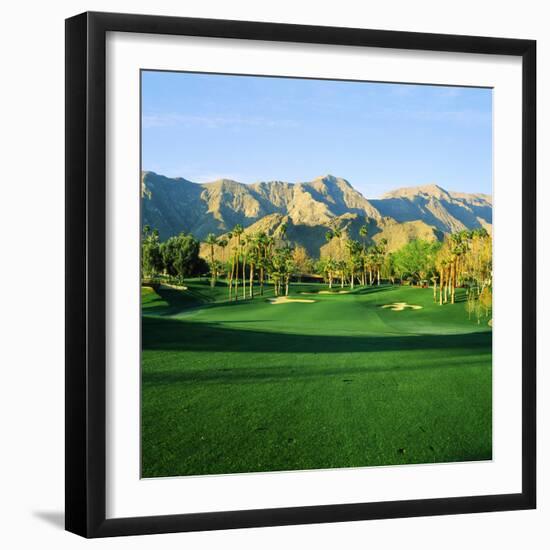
250	386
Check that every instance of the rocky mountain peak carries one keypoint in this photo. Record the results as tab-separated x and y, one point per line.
429	190
173	205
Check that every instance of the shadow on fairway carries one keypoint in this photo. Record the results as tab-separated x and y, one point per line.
180	335
288	373
172	302
374	289
336	290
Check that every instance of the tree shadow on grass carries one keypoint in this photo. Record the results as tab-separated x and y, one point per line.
374	289
173	302
293	373
181	335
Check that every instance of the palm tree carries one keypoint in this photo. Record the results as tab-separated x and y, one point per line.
329	264
363	232
458	242
268	256
354	251
231	267
371	260
253	260
262	244
442	262
237	232
337	232
330	268
212	241
222	243
381	249
282	231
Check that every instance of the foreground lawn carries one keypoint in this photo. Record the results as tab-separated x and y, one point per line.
340	382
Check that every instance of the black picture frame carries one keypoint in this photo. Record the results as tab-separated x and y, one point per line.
86	284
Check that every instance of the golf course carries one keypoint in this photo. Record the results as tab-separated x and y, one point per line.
373	375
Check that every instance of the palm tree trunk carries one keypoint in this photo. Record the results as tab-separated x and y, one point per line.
231	279
261	280
244	277
212	274
251	291
446	297
237	278
453	282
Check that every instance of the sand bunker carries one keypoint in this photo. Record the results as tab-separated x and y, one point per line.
168	286
287	300
400	306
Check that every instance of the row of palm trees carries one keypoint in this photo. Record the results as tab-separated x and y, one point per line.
356	261
464	259
261	256
251	256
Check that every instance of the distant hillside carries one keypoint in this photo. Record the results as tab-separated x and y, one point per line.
447	211
309	209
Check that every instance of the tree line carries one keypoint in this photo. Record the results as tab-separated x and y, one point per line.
249	261
177	257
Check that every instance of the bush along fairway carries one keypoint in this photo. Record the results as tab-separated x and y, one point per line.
318	380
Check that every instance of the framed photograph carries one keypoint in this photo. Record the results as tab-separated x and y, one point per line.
300	274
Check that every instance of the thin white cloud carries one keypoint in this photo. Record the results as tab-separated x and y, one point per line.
163	120
462	116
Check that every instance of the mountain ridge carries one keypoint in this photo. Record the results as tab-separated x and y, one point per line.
309	208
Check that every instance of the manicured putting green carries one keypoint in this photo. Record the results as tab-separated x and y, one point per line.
341	382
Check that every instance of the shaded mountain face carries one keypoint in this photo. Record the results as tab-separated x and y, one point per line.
174	205
309	210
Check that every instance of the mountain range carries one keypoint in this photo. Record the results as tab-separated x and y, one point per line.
309	209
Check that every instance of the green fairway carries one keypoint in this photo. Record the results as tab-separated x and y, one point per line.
338	382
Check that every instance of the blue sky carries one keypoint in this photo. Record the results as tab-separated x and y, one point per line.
378	136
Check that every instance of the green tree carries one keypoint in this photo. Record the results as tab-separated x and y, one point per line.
180	255
282	268
235	260
151	258
282	230
417	259
381	250
303	263
354	259
363	232
212	241
327	266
